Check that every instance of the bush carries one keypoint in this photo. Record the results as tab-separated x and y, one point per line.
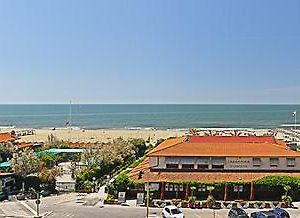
279	183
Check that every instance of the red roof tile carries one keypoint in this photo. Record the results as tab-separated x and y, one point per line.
6	137
199	176
24	145
231	139
224	146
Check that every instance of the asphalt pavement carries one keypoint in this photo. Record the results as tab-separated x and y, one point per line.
73	205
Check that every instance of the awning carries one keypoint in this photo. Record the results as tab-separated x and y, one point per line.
5	164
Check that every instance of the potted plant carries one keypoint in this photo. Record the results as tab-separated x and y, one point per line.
234	205
210	198
184	204
286	199
251	205
191	201
218	205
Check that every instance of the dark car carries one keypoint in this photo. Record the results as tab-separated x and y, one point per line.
237	213
281	213
276	213
263	214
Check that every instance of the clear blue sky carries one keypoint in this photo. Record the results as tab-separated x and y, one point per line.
150	51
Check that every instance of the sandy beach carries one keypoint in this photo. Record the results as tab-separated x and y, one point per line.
101	135
105	135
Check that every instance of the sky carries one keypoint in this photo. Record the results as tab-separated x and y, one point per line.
202	51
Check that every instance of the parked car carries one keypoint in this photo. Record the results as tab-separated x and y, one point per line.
276	213
171	212
21	196
2	196
281	213
237	213
263	214
44	193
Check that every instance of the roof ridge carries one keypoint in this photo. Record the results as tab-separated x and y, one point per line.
185	138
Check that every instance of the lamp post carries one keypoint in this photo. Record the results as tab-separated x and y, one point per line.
140	176
37	202
94	184
147	213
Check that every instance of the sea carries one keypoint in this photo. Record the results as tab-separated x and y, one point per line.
147	116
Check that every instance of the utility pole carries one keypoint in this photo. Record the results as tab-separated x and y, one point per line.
147	199
38	201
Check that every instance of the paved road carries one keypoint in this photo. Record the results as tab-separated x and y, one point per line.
71	205
14	209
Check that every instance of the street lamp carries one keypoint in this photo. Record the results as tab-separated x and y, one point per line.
37	202
140	176
94	183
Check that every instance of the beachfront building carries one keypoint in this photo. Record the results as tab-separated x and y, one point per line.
6	137
176	162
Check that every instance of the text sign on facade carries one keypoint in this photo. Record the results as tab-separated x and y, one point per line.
238	163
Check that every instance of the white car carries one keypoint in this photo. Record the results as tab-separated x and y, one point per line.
172	212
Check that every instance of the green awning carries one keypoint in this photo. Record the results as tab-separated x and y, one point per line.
5	164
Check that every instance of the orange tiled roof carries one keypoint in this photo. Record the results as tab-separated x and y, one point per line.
24	145
199	176
81	145
242	146
231	139
168	143
6	137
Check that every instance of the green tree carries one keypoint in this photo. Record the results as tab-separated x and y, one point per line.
25	162
6	151
139	147
120	184
49	160
48	177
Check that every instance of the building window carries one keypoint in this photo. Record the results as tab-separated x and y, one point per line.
202	166
172	166
202	188
218	163
256	162
167	187
176	187
217	166
274	162
181	187
187	166
290	162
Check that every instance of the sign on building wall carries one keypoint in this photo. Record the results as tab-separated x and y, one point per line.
238	163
